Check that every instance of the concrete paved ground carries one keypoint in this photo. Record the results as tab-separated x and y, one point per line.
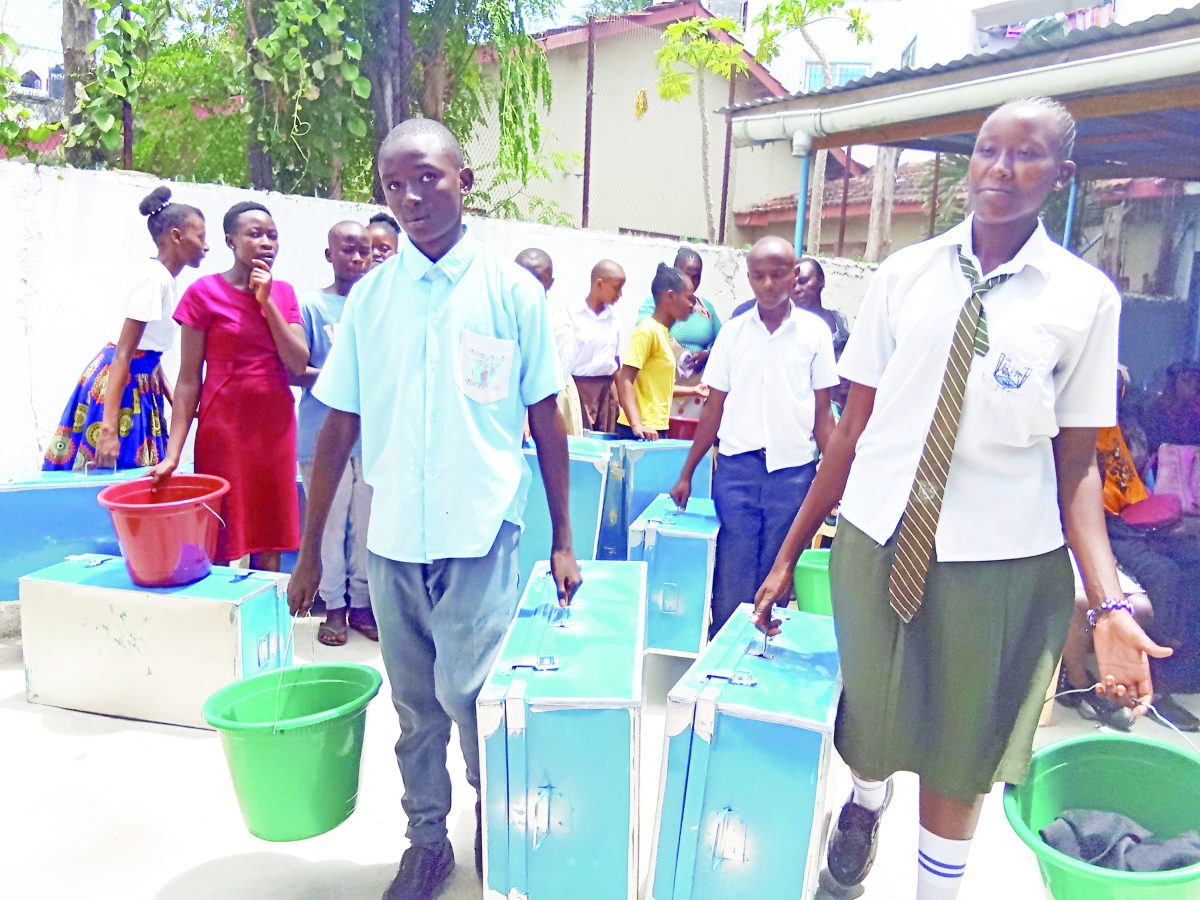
97	807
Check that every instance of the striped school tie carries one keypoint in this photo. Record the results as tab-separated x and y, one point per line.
918	528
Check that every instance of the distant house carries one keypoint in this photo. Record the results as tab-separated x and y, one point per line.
910	211
31	80
644	161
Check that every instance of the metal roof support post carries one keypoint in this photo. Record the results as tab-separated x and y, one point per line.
1072	196
802	150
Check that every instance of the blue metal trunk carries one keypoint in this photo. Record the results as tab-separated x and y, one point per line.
679	549
589	467
748	738
52	515
95	641
639	472
559	720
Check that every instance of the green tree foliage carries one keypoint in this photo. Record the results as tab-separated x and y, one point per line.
19	128
192	121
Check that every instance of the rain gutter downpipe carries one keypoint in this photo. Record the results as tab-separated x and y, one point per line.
801	149
1129	67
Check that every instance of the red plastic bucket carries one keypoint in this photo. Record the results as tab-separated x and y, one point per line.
682	427
167	534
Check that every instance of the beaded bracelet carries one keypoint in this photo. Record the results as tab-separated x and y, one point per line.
1110	605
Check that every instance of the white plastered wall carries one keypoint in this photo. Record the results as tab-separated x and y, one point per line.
68	239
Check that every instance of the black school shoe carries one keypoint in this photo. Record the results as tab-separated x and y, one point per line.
422	871
1094	707
1173	712
854	840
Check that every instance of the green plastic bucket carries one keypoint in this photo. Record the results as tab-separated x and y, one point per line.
811	579
295	772
1155	785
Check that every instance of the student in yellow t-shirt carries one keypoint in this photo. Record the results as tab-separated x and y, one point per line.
646	379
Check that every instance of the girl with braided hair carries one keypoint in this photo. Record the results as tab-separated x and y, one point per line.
116	415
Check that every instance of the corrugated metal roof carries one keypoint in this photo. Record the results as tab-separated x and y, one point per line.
1028	47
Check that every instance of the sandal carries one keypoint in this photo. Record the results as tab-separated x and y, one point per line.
332	635
363	621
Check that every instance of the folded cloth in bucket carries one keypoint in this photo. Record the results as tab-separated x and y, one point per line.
1113	841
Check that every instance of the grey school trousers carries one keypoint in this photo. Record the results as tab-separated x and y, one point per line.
440	628
344	543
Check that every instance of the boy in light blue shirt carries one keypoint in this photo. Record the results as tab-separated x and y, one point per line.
344	545
440	354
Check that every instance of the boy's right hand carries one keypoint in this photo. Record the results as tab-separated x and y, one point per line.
108	448
681	492
774	588
644	434
302	587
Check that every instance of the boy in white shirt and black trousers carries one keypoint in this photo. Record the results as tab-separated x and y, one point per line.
769	376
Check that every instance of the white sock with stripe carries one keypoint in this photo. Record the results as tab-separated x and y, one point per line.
868	794
940	866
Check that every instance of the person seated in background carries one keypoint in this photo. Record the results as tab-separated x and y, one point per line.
344	544
385	235
769	377
1166	561
1174	417
597	341
540	266
646	380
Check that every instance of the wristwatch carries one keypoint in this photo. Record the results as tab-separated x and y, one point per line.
1110	605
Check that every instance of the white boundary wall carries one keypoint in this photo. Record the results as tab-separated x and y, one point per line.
69	237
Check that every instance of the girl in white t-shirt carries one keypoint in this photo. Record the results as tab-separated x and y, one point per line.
116	415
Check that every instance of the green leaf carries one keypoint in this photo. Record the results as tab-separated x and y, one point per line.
112	57
318	69
357	126
349	70
104	120
111	140
93	46
334	58
292	60
262	73
353	50
362	87
7	42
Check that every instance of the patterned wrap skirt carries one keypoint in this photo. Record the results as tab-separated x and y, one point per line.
955	694
141	422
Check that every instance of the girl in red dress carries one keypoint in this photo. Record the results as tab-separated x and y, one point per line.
245	328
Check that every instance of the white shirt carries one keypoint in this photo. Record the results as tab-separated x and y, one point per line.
153	295
440	361
769	380
597	338
1052	364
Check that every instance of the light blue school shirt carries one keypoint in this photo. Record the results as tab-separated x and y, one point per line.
440	361
320	314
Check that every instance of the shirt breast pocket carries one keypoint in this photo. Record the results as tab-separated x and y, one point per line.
1014	381
485	366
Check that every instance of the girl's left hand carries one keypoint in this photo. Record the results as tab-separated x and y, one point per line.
1122	651
260	282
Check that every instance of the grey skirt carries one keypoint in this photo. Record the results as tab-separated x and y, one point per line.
954	695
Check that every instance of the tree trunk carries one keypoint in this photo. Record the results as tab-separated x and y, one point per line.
883	192
78	30
816	203
387	63
706	177
262	172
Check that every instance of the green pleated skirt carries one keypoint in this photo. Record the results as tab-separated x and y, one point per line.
955	694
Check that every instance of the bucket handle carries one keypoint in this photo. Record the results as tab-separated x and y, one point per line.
1146	703
215	513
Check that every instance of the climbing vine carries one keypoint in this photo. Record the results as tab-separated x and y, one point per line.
20	130
129	31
